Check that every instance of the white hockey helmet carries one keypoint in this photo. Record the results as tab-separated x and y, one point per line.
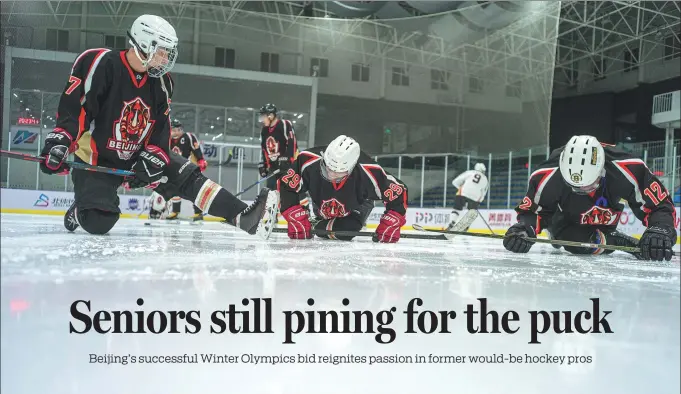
480	167
339	158
582	163
155	43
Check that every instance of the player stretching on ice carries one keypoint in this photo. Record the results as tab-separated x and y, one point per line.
186	145
343	183
576	193
126	96
472	185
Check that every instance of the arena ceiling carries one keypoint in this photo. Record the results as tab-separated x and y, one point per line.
418	32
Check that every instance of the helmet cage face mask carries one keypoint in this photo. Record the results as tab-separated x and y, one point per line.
158	59
334	176
586	189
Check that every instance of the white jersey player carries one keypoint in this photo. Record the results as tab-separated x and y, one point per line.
472	188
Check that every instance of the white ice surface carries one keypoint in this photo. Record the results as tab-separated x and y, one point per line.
181	266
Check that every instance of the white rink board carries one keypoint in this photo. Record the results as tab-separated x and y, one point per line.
53	202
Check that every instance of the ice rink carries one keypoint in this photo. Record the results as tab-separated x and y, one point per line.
182	266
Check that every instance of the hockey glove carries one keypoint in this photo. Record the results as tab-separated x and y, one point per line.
657	242
388	230
298	219
149	167
202	165
55	151
516	240
262	170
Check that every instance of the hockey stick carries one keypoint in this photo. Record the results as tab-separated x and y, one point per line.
72	164
364	234
630	249
275	172
484	221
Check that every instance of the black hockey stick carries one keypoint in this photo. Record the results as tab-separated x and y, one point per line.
72	164
364	234
485	221
275	172
629	249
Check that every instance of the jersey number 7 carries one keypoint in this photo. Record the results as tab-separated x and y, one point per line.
75	82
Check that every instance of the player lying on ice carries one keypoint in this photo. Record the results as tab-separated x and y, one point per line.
126	96
576	196
343	183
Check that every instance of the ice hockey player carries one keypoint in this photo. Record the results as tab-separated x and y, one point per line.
186	145
343	184
472	188
126	95
279	147
576	194
278	142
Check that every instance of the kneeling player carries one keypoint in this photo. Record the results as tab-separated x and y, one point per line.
577	193
343	183
472	188
125	95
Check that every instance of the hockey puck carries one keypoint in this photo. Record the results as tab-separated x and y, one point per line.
147	224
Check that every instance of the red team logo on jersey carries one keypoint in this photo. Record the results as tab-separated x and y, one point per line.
599	216
272	147
177	150
131	129
332	209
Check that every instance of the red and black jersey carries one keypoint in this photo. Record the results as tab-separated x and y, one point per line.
626	178
278	143
367	181
187	146
111	112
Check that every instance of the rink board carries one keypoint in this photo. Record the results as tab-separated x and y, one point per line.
132	206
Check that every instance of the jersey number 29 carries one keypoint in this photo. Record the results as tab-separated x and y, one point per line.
291	179
393	192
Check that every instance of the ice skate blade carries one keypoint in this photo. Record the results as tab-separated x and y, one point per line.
269	218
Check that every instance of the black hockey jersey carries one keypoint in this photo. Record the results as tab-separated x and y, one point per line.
278	142
111	112
626	178
187	146
368	181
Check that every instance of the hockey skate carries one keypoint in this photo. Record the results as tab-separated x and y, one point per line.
71	218
261	216
197	217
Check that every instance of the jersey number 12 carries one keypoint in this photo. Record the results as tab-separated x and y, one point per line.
659	190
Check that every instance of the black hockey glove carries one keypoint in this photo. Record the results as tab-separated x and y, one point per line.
55	151
515	238
262	169
149	167
657	242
